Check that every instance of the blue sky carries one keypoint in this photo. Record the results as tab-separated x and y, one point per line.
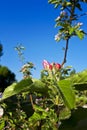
31	23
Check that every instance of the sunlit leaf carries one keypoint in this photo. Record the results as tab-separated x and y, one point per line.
68	3
79	80
80	34
67	93
71	30
2	124
16	88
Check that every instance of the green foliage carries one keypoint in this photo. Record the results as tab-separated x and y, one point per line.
19	48
25	85
60	3
6	77
48	104
77	121
16	88
47	118
66	21
67	93
80	34
39	87
79	80
2	124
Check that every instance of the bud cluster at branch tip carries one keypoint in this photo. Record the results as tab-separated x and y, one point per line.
50	66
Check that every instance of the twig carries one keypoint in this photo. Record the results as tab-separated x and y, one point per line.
82	14
65	54
31	100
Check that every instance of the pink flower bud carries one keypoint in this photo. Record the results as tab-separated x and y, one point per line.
50	67
47	65
57	66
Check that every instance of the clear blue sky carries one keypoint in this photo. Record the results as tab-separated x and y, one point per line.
31	23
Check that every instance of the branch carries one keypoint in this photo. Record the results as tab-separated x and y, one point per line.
82	14
68	9
65	54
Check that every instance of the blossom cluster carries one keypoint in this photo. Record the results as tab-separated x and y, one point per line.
50	66
58	37
79	24
63	14
25	68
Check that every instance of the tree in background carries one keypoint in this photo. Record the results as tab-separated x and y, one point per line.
6	77
1	50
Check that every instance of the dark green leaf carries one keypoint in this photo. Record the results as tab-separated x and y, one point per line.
64	114
2	124
79	6
77	121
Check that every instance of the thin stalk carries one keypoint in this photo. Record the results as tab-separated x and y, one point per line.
31	100
65	53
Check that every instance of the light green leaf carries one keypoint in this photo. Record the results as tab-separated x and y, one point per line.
80	34
79	80
53	1
68	3
71	30
16	88
2	124
25	85
67	93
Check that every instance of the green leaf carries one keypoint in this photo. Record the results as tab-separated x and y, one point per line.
56	5
25	85
68	3
71	30
56	2
39	87
79	80
79	6
38	108
39	114
80	86
16	88
67	93
64	114
53	1
80	34
2	124
35	117
77	121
